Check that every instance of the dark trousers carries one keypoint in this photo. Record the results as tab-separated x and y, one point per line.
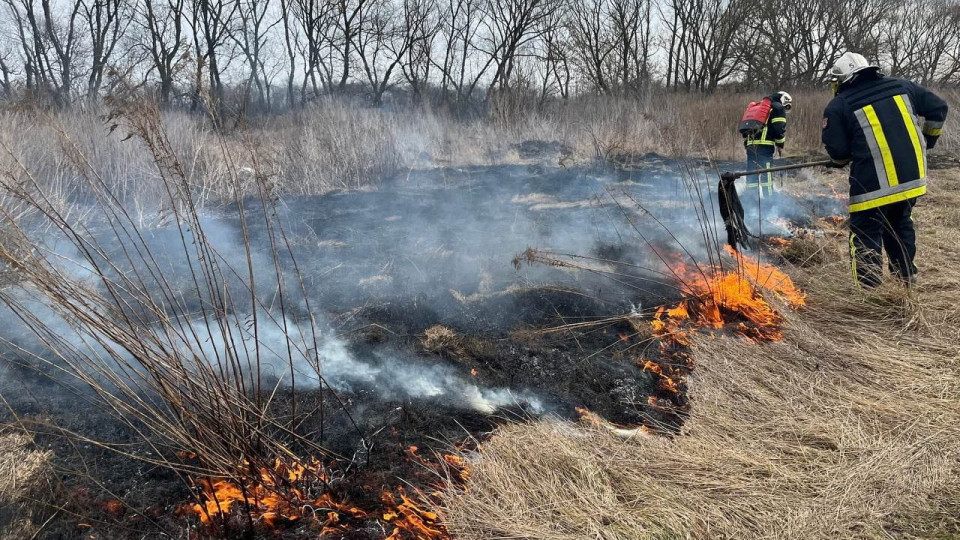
760	156
887	228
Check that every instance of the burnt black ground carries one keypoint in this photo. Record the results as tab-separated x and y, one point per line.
383	266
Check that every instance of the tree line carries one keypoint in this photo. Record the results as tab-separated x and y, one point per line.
276	54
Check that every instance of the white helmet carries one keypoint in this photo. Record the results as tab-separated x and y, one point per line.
786	100
849	65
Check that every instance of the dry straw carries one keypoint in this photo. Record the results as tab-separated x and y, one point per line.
848	428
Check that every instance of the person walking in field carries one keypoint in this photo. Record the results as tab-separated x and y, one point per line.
872	124
764	129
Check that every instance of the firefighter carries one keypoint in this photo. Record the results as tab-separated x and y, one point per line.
872	124
762	146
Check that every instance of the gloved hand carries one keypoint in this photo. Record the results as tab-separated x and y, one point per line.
931	141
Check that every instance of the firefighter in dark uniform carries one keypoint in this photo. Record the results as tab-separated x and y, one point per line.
761	148
872	124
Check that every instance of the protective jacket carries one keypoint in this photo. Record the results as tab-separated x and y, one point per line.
775	130
872	122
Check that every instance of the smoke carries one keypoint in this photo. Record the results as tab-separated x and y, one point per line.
435	246
775	215
392	374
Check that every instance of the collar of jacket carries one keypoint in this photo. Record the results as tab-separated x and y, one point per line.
864	77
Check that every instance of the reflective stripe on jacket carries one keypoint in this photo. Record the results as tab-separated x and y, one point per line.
873	122
775	131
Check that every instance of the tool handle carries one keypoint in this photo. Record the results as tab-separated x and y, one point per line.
735	175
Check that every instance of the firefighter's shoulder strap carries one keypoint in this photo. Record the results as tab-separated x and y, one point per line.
755	118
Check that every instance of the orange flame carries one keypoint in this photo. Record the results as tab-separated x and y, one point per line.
831	222
778	241
281	494
718	297
277	495
408	516
591	418
669	381
770	278
412	520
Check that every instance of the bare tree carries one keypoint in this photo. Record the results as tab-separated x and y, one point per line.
62	36
250	34
6	86
922	40
9	49
350	19
162	26
420	28
387	34
632	42
544	48
592	40
49	40
318	21
555	58
290	41
211	21
707	50
460	25
859	24
25	44
106	22
511	26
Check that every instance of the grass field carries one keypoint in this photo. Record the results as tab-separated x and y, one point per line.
848	428
338	144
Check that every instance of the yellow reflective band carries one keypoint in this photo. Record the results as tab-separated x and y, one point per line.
889	199
933	132
778	120
759	142
882	143
908	121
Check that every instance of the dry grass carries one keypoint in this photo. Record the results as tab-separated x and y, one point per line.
849	428
21	469
337	144
181	367
439	338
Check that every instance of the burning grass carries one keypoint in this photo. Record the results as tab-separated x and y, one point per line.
169	357
284	493
718	296
245	458
173	366
288	493
845	427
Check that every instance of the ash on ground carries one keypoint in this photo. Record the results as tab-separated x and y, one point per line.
429	333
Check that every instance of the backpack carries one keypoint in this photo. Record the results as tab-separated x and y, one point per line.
755	117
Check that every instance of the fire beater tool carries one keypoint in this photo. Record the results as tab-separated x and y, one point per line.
732	211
